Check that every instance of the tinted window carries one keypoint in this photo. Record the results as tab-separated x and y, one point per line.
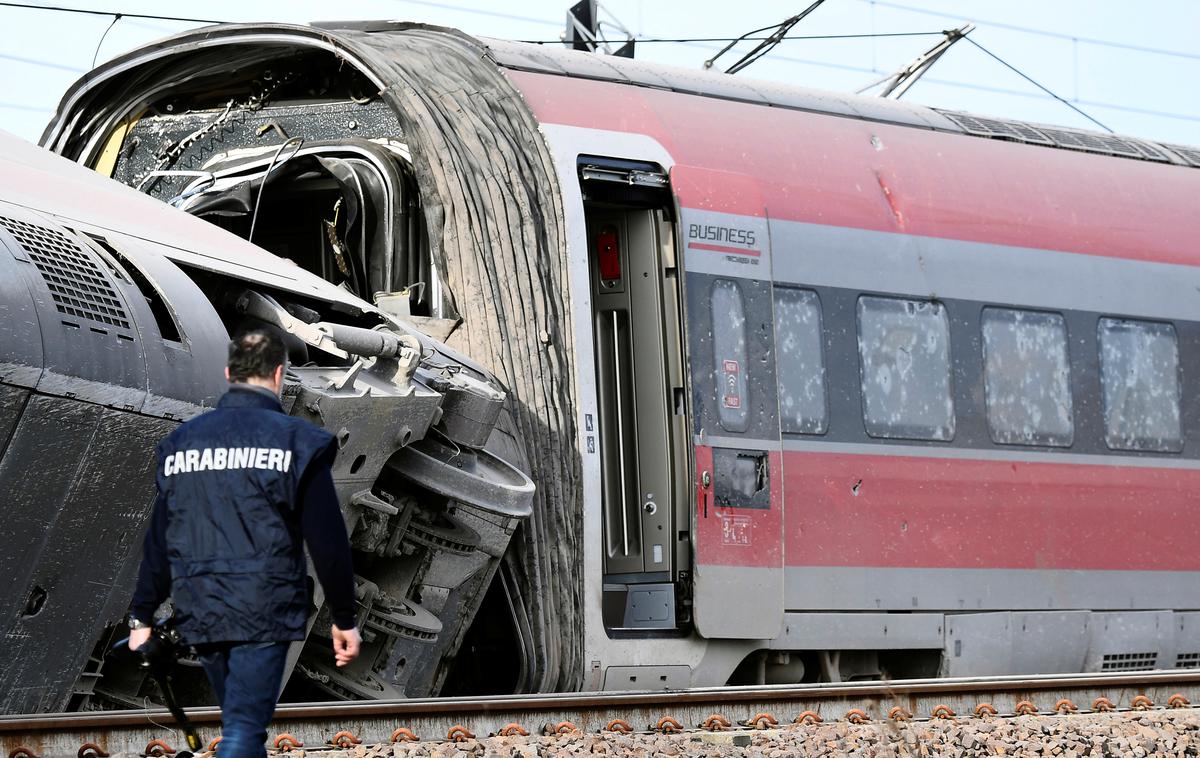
729	355
1139	373
800	361
904	346
1027	377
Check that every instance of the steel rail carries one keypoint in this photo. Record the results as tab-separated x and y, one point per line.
316	724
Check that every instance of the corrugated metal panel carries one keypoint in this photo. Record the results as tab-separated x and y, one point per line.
1189	155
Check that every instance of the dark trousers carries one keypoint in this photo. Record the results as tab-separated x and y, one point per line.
246	677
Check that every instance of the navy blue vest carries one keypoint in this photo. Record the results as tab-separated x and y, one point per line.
231	479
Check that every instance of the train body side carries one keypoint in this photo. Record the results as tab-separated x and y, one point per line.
928	541
571	212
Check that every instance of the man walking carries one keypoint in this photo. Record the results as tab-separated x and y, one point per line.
239	488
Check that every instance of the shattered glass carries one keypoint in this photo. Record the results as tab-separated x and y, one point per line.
1139	373
904	346
802	406
1027	377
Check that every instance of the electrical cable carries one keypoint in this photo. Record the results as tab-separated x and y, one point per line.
1043	88
23	107
267	176
691	41
679	40
61	9
1042	32
116	17
44	64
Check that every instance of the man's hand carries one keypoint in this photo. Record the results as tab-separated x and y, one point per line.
345	645
138	637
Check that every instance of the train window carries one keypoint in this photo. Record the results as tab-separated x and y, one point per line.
801	363
729	355
1139	374
904	346
1027	377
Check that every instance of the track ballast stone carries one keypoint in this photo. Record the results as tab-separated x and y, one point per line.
1139	734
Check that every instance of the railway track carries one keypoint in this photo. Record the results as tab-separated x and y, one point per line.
319	726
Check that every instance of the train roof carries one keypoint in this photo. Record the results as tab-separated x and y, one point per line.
371	43
549	59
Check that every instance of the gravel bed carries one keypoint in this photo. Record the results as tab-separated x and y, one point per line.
1173	732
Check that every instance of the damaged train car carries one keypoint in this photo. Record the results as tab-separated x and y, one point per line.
811	386
116	313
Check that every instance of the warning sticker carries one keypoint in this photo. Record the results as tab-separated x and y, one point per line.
731	397
735	530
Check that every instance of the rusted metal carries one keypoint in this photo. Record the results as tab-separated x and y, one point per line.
715	723
158	748
857	716
1025	708
620	726
345	739
214	742
1102	705
1178	701
898	713
22	752
284	742
513	729
1064	706
809	717
762	721
459	733
942	711
984	710
1141	703
92	750
668	725
562	727
404	734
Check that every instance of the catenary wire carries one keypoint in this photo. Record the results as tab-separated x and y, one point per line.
42	63
789	38
116	17
686	41
544	22
92	12
1042	87
1042	32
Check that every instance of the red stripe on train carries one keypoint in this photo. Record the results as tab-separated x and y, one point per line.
905	512
723	249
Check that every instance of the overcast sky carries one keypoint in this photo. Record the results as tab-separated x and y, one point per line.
1132	66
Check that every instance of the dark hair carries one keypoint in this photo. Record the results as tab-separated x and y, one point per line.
255	353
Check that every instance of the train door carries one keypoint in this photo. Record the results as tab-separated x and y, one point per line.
642	424
738	535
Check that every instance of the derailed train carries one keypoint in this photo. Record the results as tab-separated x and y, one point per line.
811	386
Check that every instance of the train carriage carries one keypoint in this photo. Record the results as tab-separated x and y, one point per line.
812	386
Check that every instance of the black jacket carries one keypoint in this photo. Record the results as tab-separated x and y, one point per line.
240	488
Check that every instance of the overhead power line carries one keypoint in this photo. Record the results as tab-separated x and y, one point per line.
680	40
977	87
23	107
91	12
1042	32
698	42
1042	87
42	63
